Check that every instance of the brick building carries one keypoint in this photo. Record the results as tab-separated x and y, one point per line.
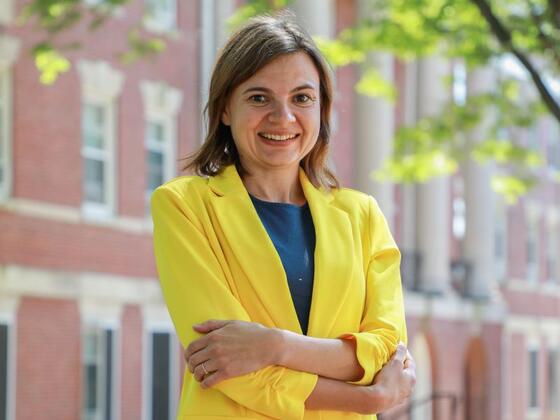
84	332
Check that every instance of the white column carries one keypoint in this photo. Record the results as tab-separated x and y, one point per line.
478	245
433	197
316	16
409	255
374	120
408	241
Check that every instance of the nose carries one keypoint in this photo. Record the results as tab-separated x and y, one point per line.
281	113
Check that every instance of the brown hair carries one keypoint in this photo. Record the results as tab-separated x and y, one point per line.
252	47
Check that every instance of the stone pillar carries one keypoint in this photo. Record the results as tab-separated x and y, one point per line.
374	121
316	16
433	197
478	245
214	33
409	255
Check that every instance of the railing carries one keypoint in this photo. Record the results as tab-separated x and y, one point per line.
406	411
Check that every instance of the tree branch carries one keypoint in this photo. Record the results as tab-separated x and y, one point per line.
546	41
504	37
554	10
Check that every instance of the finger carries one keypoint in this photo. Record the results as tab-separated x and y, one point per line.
210	325
212	379
199	371
195	346
197	358
400	353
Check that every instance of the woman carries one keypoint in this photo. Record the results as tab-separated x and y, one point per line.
283	287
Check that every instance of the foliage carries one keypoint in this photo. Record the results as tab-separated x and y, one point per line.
476	33
53	17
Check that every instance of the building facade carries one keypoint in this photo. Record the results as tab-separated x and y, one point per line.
84	332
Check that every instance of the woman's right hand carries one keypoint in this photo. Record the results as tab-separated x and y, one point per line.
394	383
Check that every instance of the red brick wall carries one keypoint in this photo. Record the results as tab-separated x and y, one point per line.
43	243
342	149
47	160
48	360
131	363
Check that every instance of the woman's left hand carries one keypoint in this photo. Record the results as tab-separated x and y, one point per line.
229	349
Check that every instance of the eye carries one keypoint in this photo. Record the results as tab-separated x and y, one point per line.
258	99
303	99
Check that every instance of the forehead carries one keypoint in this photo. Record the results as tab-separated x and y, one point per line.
285	72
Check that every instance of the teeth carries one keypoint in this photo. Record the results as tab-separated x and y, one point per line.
278	138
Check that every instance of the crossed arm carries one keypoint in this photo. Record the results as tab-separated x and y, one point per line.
315	368
234	348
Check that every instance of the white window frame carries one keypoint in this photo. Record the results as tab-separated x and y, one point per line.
501	228
9	51
553	246
99	327
162	104
5	134
10	320
101	86
165	20
533	213
175	373
552	146
168	149
117	12
107	156
7	12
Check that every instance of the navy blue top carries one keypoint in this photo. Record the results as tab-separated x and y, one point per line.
291	230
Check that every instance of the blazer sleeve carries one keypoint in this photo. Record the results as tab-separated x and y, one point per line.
195	289
383	322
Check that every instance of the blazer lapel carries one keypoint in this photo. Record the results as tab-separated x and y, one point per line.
334	259
253	249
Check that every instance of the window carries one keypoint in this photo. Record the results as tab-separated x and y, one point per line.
532	258
101	85
553	381
98	359
160	15
553	146
163	379
533	379
3	371
97	157
7	369
159	158
162	103
500	244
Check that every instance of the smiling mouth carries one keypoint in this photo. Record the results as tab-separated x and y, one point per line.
278	138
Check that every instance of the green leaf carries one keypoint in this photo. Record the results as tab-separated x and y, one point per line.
511	187
338	53
372	84
50	63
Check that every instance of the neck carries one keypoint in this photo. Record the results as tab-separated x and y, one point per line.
279	186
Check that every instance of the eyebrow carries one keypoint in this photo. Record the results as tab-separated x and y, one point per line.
264	89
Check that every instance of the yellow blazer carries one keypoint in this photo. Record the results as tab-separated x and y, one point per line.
216	260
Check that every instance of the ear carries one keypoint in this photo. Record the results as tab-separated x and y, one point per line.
226	118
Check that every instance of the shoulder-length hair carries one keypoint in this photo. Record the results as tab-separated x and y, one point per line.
252	47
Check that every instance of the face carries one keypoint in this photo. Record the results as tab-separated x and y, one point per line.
275	115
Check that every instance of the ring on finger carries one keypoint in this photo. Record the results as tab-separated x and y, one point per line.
204	369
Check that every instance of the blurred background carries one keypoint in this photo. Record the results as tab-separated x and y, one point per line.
447	111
